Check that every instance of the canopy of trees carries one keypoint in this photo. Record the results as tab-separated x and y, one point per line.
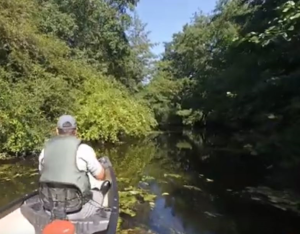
236	68
73	57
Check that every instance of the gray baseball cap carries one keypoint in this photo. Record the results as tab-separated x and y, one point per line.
66	122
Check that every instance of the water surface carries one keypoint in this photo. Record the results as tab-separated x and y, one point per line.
198	183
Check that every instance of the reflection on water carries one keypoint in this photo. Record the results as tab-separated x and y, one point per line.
16	178
197	181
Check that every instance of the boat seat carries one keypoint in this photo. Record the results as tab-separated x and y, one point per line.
34	211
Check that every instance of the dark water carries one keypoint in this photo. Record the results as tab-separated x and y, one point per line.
198	183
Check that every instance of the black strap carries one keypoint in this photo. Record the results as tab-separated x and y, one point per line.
59	211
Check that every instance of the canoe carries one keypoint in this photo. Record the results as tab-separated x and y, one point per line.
26	215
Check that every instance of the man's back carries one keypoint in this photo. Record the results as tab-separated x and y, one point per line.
86	160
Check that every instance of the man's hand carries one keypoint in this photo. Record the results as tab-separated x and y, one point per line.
105	163
101	175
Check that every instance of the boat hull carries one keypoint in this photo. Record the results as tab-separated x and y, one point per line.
25	215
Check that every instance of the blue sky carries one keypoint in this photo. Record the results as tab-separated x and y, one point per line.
165	17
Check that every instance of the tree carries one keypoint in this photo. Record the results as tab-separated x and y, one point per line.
97	29
47	68
142	59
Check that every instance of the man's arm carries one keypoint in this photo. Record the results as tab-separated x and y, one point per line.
41	160
93	165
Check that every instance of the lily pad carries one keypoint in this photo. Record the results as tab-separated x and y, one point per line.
192	187
173	176
209	180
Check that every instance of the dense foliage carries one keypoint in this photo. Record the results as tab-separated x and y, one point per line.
237	68
73	57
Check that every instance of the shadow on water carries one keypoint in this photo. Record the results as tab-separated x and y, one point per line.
203	183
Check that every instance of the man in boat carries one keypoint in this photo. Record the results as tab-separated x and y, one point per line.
66	161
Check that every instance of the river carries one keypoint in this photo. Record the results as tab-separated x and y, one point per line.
204	184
